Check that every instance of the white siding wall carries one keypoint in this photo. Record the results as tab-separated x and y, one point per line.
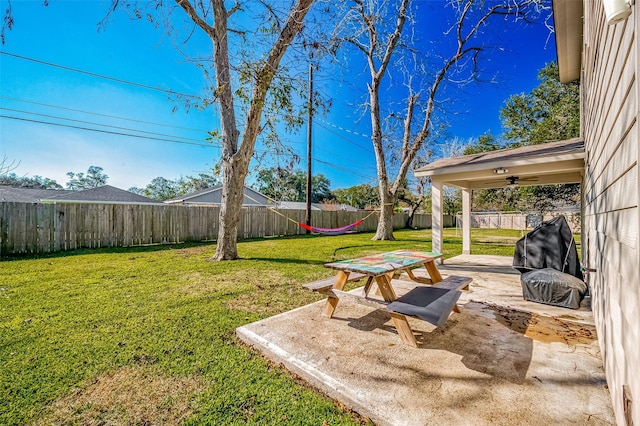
251	198
611	194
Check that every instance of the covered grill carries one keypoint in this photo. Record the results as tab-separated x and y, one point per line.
549	245
548	259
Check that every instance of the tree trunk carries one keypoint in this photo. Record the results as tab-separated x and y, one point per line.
385	223
409	222
230	210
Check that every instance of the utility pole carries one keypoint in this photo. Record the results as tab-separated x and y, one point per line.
309	128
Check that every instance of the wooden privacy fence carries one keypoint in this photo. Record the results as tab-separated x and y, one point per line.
518	220
29	228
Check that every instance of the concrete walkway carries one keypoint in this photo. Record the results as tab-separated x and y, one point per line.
501	361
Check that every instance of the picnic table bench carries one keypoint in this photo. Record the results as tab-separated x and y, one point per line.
432	303
323	285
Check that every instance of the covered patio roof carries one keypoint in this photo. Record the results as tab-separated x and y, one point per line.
545	164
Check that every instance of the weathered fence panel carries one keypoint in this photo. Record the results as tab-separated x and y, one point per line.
30	228
523	221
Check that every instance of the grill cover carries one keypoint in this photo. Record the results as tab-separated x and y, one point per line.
549	245
553	288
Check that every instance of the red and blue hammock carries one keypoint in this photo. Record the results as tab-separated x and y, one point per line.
331	231
315	229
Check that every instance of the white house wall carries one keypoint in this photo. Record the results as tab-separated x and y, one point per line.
610	114
251	198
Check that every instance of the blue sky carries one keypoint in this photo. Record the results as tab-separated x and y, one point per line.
65	33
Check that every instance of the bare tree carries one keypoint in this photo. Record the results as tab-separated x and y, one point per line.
378	30
7	166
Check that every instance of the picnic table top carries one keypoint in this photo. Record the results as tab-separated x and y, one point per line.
386	262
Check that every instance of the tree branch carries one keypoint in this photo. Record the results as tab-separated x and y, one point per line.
393	40
373	41
266	74
193	14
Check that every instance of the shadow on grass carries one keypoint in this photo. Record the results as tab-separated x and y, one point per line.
286	260
392	244
133	249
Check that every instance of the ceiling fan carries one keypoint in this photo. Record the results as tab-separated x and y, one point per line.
513	180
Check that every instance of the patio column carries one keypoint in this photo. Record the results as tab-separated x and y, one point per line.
436	216
466	221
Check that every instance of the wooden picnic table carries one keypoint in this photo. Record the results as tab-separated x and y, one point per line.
381	268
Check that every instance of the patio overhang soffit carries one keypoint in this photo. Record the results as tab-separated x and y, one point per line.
545	164
568	15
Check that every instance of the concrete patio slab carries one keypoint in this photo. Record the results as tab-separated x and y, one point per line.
500	361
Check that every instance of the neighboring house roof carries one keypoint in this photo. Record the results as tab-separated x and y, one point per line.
102	194
213	196
345	207
292	205
27	195
185	197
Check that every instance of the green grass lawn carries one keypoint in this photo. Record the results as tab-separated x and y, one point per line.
146	335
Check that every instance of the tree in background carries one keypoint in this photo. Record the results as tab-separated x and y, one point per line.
40	182
362	196
93	179
191	184
282	184
376	31
162	189
551	111
451	201
413	200
7	166
503	199
159	189
484	143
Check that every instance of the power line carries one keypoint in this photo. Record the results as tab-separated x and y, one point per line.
171	92
151	88
107	131
144	137
344	129
118	80
342	169
98	124
368	150
101	115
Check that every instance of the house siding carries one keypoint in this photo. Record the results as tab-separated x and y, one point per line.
611	196
251	198
214	197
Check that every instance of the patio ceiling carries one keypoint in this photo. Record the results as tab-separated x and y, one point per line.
545	164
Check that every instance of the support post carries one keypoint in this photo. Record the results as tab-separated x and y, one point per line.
436	216
466	221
